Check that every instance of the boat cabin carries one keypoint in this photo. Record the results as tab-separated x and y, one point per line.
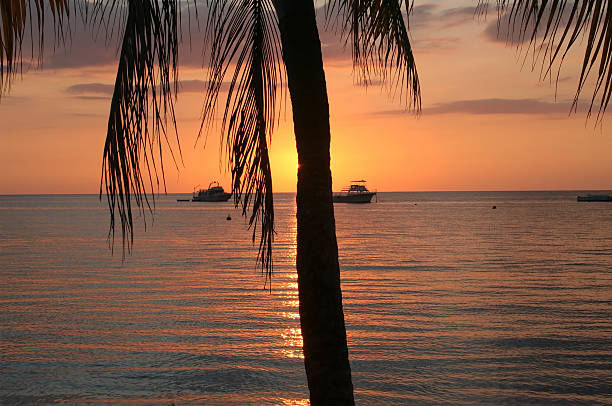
356	188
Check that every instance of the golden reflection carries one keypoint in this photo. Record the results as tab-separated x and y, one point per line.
292	254
291	315
294	402
292	340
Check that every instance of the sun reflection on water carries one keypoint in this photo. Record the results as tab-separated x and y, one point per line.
291	315
295	303
292	343
292	339
294	402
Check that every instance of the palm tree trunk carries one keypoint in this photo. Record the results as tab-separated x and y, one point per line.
321	316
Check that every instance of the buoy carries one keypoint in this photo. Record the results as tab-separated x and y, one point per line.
228	217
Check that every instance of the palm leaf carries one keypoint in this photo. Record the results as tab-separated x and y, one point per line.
553	27
245	45
17	16
378	33
142	101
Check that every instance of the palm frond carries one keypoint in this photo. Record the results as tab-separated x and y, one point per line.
378	34
245	43
553	27
143	99
18	17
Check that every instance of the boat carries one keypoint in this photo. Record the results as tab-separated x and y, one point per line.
214	193
594	198
355	193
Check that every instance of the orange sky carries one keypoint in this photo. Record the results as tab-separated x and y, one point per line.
486	124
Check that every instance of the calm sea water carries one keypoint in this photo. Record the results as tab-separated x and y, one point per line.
446	302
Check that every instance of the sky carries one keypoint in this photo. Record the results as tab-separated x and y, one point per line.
488	120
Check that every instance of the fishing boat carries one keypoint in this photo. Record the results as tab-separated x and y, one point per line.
214	193
355	193
594	198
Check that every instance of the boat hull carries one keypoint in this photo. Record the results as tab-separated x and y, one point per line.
594	198
218	197
354	198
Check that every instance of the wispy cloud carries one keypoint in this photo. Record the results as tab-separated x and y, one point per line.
508	30
427	24
499	106
197	86
94	44
94	91
105	99
90	88
88	48
492	106
10	99
436	44
371	83
423	14
427	15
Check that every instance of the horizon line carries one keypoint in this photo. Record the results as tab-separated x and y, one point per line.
385	191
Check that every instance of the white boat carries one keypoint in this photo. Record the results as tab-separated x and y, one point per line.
355	193
594	198
214	193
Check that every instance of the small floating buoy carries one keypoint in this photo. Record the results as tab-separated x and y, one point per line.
228	217
494	207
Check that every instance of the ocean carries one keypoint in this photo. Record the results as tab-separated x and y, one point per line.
446	300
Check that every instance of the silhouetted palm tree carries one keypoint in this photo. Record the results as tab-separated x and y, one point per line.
257	39
257	43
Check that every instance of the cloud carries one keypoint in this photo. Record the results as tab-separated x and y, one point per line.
371	83
93	44
501	31
499	106
80	53
422	15
88	115
10	99
508	29
454	17
429	15
106	99
74	43
102	91
193	86
425	20
435	44
197	86
492	106
91	88
428	22
90	47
